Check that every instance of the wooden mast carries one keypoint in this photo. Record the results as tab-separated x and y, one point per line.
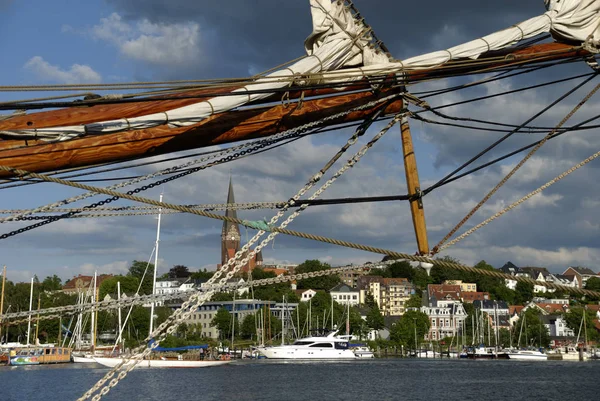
414	188
37	320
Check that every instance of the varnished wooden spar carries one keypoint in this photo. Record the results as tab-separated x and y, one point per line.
234	126
222	128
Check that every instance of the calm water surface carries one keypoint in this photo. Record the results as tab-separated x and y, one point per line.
379	379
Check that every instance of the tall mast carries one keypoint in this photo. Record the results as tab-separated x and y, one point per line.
283	322
119	300
2	299
37	321
30	306
155	267
92	317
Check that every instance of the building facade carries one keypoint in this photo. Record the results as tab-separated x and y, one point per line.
445	321
345	295
390	294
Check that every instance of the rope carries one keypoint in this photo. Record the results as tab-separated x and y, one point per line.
517	203
514	170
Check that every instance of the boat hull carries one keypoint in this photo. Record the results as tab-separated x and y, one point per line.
527	357
291	352
160	363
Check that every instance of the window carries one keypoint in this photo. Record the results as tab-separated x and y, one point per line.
302	343
341	345
322	345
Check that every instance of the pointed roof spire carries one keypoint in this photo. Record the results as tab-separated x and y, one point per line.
230	212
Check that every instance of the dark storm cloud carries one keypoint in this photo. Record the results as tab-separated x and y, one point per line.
242	34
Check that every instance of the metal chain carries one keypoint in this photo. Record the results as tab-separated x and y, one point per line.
436	249
188	307
523	199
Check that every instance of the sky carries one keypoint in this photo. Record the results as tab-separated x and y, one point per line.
111	41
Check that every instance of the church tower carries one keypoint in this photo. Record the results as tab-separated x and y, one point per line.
230	235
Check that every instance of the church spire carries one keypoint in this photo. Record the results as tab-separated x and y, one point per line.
230	235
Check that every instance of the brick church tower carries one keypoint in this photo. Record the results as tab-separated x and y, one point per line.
230	237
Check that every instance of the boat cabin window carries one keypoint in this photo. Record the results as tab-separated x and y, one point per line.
60	351
302	343
48	351
322	345
341	345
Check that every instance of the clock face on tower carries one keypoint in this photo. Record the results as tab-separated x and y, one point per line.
232	235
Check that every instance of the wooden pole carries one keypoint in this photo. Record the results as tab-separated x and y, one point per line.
414	188
2	299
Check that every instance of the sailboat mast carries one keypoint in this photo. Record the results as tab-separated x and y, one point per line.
283	322
155	267
120	324
93	317
30	306
2	299
37	320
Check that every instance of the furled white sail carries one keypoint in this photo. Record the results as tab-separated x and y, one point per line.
340	41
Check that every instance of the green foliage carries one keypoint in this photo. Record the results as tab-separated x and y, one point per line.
316	283
202	275
593	284
248	327
370	301
404	269
524	293
574	319
403	331
222	321
375	319
531	330
137	269
414	301
273	292
179	271
51	283
221	297
129	286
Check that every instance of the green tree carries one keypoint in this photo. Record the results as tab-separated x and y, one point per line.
52	283
574	320
402	269
593	284
179	271
524	293
370	301
221	297
248	327
202	275
403	331
375	319
531	329
414	301
316	283
129	286
222	321
143	270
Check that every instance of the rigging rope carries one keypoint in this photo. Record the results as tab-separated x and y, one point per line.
517	203
514	170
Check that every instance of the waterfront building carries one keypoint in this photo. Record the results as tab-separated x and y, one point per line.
305	295
436	293
82	283
464	287
390	294
201	320
345	295
583	274
171	286
445	321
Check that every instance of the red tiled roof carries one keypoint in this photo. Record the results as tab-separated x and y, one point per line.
512	309
553	308
471	296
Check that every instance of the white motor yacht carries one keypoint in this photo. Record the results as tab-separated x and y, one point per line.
319	347
527	355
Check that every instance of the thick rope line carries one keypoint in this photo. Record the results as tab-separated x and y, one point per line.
520	201
170	325
514	170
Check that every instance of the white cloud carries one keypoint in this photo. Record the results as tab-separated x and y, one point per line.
154	43
76	74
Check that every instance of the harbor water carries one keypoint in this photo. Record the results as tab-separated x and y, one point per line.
377	379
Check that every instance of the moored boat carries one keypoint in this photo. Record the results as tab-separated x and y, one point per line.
161	363
319	347
527	355
40	356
